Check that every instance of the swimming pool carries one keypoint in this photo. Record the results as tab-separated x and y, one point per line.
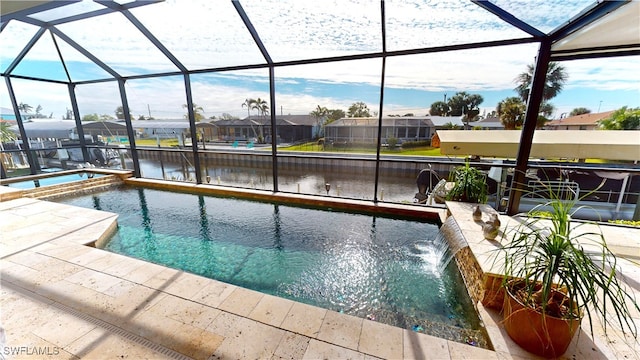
52	179
373	267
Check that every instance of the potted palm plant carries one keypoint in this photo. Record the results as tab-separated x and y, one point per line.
469	185
556	274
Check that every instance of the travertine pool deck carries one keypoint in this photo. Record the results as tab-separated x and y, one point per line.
62	299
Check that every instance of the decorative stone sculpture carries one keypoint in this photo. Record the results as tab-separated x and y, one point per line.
490	230
477	213
495	220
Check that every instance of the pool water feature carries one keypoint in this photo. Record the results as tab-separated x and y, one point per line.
449	241
372	267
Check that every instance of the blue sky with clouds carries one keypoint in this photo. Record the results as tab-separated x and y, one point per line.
206	34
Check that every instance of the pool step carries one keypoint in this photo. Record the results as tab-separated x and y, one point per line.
75	188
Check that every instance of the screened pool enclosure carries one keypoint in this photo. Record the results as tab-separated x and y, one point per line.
192	63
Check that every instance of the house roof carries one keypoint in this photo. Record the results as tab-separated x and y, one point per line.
584	119
103	125
571	144
232	122
155	124
440	121
47	129
283	120
491	122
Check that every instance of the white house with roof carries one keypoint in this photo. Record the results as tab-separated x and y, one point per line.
578	122
162	129
48	129
488	123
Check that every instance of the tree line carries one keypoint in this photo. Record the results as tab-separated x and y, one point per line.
511	110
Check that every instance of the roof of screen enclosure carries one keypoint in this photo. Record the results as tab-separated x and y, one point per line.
592	30
569	144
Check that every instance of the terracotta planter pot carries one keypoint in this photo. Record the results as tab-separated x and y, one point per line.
546	336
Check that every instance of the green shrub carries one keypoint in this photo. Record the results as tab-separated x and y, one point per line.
392	142
470	185
415	144
626	222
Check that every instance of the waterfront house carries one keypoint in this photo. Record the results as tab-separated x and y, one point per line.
48	129
578	122
291	128
364	130
488	123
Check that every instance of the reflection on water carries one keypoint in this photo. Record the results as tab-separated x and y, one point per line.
397	188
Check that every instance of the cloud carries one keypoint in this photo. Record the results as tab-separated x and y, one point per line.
608	74
208	34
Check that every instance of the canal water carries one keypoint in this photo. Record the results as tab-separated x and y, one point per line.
391	187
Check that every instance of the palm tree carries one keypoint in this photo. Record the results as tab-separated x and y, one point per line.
555	80
249	104
263	109
197	112
24	108
319	113
5	132
510	111
261	106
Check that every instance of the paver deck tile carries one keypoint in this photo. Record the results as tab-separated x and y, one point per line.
241	301
187	312
421	346
271	310
381	340
463	351
322	350
61	329
292	346
245	338
340	329
214	293
175	335
304	319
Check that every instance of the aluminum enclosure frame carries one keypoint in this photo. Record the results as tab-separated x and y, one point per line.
589	16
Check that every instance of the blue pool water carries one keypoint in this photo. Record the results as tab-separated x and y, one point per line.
54	180
368	266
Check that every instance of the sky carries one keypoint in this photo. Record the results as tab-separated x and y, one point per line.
209	34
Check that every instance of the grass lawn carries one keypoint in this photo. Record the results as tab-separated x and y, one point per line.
154	142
